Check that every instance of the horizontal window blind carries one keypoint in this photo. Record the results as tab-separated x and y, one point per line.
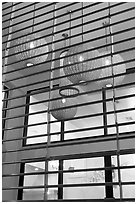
68	107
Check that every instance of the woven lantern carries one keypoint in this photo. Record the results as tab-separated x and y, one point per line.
65	113
81	64
29	47
66	88
105	72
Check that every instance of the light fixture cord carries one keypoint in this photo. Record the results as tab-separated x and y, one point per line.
70	11
82	23
114	105
105	26
33	20
8	41
49	103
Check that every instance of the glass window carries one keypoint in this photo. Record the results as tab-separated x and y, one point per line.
126	116
37	122
39	180
127	175
82	177
4	105
86	122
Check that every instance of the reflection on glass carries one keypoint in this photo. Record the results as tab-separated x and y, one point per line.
33	194
121	104
41	129
84	177
92	192
127	175
39	180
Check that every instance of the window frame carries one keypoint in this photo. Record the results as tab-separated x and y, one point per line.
4	105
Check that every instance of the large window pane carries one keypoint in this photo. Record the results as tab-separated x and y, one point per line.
127	175
35	118
86	122
84	177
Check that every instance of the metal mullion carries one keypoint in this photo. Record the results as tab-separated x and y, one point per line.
76	105
99	138
9	7
72	131
69	171
108	138
76	44
37	17
52	11
77	118
95	20
74	200
56	68
43	71
92	70
78	34
96	11
49	11
92	91
113	153
79	83
70	185
27	12
22	14
81	117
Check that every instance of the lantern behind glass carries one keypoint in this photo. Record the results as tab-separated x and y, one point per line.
78	63
107	71
29	47
65	113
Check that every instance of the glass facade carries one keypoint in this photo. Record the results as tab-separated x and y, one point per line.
68	120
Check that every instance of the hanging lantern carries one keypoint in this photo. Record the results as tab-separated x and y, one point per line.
66	112
81	64
105	72
66	90
29	47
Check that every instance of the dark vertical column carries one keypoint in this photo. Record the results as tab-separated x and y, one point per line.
107	159
26	118
4	112
108	176
60	175
60	180
21	181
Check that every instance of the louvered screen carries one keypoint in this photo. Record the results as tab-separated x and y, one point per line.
68	123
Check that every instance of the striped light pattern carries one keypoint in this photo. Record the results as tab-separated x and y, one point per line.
65	113
29	47
77	63
106	72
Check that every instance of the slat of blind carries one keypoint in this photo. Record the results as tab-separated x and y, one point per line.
96	11
88	92
97	154
71	185
59	16
80	83
94	139
91	40
69	171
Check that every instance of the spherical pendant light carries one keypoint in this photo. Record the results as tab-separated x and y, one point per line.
29	47
66	112
105	72
81	64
